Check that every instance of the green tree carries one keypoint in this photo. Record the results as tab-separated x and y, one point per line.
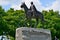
12	19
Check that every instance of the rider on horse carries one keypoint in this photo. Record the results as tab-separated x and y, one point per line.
32	8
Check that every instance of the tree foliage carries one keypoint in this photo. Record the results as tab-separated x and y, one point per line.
12	19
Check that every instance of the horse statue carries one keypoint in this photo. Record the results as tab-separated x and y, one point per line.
29	16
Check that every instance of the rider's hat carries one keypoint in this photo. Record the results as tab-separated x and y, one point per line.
31	2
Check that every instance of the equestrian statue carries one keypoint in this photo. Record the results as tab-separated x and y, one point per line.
33	13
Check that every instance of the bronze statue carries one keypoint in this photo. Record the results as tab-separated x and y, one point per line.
32	11
32	8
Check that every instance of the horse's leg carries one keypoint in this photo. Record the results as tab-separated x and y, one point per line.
36	23
43	21
30	23
25	23
30	18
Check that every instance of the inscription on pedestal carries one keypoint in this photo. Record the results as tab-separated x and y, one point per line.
32	34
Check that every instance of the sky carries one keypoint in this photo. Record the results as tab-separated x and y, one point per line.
39	4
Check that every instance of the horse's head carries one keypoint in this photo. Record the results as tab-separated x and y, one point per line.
23	4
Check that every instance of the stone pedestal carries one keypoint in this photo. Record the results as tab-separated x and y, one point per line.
25	33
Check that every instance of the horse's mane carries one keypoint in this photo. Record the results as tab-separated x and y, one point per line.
26	7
